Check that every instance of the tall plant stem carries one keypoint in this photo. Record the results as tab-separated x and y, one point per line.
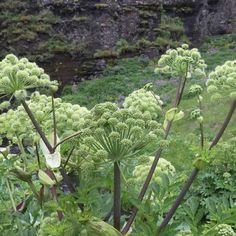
37	154
201	124
178	199
36	125
34	190
176	102
11	195
54	123
22	151
195	171
117	196
202	135
224	126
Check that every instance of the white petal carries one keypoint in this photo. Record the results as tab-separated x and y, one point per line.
53	160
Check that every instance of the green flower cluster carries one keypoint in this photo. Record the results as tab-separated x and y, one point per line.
18	75
110	133
16	125
195	114
164	167
225	230
84	227
222	81
195	90
145	101
182	62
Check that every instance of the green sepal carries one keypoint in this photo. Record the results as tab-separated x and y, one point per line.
45	179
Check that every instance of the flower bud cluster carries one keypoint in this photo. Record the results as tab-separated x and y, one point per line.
195	114
144	101
164	167
225	230
18	75
195	90
16	125
222	81
117	133
182	62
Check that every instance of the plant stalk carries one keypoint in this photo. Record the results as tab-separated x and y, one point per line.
66	139
54	123
224	126
11	195
202	135
36	125
34	190
117	196
37	154
201	125
178	199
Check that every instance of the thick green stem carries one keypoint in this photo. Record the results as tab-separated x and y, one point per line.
195	171
22	150
11	195
34	190
117	196
36	125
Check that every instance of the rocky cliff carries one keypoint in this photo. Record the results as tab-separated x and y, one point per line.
77	38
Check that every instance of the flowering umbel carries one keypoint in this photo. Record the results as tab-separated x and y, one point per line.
116	134
19	75
222	81
182	62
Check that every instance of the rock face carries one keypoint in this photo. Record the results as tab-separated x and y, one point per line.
208	17
75	39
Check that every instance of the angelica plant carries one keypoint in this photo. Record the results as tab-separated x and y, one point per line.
196	90
221	83
144	101
19	76
182	64
116	135
18	128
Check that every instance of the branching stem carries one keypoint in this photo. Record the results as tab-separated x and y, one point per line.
195	171
117	195
54	123
179	92
36	125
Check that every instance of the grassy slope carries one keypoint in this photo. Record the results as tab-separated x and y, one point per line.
133	73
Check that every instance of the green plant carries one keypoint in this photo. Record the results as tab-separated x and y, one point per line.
183	64
74	164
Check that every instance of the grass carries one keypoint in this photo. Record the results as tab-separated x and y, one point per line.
133	73
116	83
218	49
